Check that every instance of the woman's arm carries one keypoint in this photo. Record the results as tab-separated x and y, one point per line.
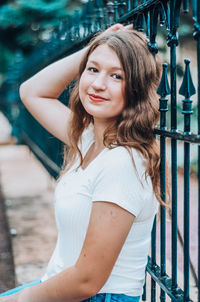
39	94
108	228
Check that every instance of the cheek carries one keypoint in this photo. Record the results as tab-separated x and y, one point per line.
120	95
80	86
83	85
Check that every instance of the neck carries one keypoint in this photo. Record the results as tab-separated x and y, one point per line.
99	128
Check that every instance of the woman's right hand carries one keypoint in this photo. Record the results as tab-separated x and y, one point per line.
119	26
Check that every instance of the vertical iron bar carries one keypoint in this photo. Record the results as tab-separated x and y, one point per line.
173	42
187	89
199	191
134	5
110	12
128	5
185	6
186	205
186	219
197	6
147	25
194	9
115	11
163	216
98	14
144	294
196	17
163	90
174	184
89	15
121	6
153	257
105	17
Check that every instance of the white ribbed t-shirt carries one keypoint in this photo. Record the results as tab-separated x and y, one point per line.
110	177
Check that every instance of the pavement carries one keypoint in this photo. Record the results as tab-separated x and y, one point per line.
28	190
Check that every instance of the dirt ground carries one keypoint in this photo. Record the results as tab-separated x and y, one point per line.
28	191
7	279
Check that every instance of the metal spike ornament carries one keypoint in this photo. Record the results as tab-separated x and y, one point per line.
163	91
187	88
164	88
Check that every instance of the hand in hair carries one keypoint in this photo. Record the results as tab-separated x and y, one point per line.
119	26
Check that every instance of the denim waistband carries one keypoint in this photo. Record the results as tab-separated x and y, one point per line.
112	298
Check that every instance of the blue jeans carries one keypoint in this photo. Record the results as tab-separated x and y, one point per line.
96	298
112	298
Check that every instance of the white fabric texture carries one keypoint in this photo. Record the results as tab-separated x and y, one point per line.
110	177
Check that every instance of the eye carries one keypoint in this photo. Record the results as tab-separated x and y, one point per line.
92	69
117	76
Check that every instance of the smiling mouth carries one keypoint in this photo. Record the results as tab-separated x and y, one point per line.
96	98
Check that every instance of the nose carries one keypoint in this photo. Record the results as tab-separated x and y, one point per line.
99	82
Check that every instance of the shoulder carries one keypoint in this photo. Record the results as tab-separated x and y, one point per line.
125	160
118	180
117	167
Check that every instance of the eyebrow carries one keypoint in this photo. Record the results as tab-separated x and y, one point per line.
112	68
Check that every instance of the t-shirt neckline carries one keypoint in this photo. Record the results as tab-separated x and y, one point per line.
98	155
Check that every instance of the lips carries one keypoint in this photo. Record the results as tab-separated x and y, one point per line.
96	98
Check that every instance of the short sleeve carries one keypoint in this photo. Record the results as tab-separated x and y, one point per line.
119	182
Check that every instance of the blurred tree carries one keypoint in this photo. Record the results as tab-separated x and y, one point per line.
24	24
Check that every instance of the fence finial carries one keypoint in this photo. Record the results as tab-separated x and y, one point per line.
187	88
163	91
163	88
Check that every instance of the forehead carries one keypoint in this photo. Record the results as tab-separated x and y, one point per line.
104	54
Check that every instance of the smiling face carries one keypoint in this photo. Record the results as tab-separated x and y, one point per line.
102	84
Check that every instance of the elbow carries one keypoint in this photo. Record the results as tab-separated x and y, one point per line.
23	92
91	286
90	282
89	290
27	91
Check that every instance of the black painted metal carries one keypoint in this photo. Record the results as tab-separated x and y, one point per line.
72	35
172	43
196	12
153	261
187	89
163	90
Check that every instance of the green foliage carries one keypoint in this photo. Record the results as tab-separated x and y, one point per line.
10	16
23	24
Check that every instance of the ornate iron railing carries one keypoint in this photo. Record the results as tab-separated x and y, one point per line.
147	16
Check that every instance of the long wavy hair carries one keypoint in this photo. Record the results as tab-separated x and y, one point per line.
133	128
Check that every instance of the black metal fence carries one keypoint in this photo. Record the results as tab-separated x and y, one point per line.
156	18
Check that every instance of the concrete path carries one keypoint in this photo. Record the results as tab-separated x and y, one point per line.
29	195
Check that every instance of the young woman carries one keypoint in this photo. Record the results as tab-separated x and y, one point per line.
106	196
